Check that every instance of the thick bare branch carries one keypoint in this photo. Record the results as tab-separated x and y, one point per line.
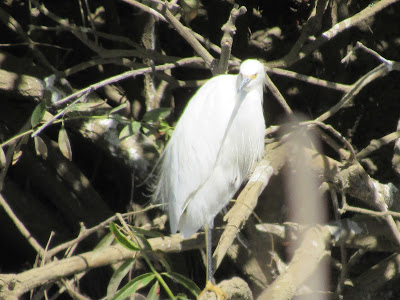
14	285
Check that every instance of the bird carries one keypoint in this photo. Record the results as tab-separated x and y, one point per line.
216	142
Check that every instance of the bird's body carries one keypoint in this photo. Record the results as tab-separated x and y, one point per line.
215	143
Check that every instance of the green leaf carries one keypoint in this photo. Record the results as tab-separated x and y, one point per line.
156	114
38	113
122	239
129	130
117	277
64	144
146	232
143	234
147	129
144	242
3	159
84	106
105	241
16	156
163	261
166	130
186	282
119	107
154	292
131	287
40	147
165	126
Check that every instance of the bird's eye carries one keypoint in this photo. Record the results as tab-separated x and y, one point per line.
253	76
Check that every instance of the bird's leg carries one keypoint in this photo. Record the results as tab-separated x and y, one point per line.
209	268
210	287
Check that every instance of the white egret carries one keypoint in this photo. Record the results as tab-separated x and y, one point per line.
218	138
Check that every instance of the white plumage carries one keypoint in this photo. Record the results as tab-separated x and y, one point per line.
217	140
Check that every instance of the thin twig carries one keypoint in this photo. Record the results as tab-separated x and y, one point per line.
343	252
72	289
389	63
377	144
43	261
15	144
377	72
381	205
188	36
277	94
209	45
88	232
310	79
162	12
146	9
180	83
229	30
125	75
336	134
21	227
365	211
81	34
11	23
312	26
369	11
100	61
59	114
108	36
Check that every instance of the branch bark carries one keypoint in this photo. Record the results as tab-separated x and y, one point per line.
14	285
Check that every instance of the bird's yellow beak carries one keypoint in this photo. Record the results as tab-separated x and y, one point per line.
245	79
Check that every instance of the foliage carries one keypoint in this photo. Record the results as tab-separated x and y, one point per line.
145	279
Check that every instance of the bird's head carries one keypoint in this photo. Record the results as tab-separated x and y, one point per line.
251	75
